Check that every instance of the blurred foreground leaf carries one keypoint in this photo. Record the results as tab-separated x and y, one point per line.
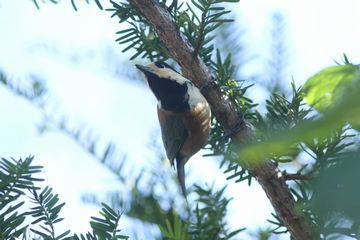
327	87
336	195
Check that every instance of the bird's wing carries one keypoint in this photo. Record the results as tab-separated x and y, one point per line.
174	133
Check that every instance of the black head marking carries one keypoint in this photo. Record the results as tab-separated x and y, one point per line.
172	95
161	64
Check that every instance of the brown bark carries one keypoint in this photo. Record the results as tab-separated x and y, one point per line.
194	68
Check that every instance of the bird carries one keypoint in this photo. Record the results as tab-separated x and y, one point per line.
183	112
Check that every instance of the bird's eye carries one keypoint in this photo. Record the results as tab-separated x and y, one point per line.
159	64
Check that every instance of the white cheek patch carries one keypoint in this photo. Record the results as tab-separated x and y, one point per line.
178	78
195	96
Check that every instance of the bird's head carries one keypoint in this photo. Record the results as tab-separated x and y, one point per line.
169	87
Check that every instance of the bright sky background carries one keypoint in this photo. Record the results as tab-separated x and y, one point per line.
76	53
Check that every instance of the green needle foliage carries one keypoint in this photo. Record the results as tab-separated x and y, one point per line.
198	28
319	121
46	212
209	214
197	20
17	184
219	141
207	220
138	35
16	179
107	227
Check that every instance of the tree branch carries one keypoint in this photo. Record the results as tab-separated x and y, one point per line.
195	69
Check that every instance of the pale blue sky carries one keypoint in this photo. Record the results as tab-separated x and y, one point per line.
71	51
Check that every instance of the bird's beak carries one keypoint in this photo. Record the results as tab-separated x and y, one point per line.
142	68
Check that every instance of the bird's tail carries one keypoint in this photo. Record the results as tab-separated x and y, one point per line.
180	164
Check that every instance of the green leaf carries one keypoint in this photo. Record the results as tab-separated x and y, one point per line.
232	234
169	228
40	233
74	5
198	5
97	226
99	4
177	228
62	235
164	231
109	213
36	4
327	86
